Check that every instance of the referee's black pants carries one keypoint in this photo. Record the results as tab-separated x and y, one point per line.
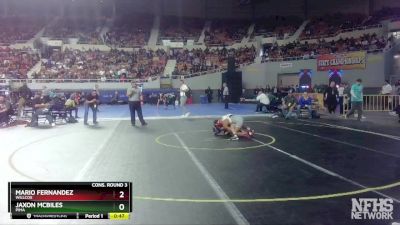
136	106
226	101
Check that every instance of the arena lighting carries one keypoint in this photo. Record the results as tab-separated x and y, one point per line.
396	56
305	72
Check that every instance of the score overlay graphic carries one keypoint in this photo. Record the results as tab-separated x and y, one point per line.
70	200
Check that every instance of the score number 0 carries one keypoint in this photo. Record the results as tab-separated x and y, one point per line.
121	196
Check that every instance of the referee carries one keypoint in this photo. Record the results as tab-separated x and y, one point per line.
134	103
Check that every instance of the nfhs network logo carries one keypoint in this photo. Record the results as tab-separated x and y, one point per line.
372	209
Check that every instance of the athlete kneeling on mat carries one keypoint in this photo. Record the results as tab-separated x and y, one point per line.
232	125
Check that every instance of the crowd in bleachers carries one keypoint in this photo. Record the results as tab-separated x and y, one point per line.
75	64
198	60
330	25
86	30
226	32
311	50
134	31
16	63
277	26
180	29
15	29
131	32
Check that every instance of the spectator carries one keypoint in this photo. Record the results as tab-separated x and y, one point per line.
341	97
356	99
305	102
5	111
70	106
219	95
289	106
209	94
40	107
330	96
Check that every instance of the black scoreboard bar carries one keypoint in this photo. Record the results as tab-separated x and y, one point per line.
70	200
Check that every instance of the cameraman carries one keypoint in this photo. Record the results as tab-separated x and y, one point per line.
91	102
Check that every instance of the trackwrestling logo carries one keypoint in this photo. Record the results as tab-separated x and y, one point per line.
372	209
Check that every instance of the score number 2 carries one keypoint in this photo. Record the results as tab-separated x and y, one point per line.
121	206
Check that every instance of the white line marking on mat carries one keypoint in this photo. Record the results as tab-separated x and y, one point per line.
358	130
325	170
232	209
173	117
90	162
337	141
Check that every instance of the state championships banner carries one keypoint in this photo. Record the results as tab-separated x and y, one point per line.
344	61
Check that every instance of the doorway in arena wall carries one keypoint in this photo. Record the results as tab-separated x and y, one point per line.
288	79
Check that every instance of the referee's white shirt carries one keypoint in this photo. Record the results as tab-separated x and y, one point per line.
184	88
226	91
263	98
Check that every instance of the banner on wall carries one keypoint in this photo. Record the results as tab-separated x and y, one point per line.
345	61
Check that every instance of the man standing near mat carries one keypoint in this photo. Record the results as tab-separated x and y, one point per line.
91	102
184	90
356	99
133	94
225	94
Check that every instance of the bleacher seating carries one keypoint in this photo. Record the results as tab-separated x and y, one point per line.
75	64
277	26
16	63
330	25
180	29
226	32
86	30
19	29
133	31
308	50
198	60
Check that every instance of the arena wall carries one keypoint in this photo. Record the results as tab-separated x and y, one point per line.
259	74
267	73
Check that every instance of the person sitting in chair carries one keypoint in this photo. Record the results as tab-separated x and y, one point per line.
305	102
289	105
115	98
40	107
70	105
5	111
